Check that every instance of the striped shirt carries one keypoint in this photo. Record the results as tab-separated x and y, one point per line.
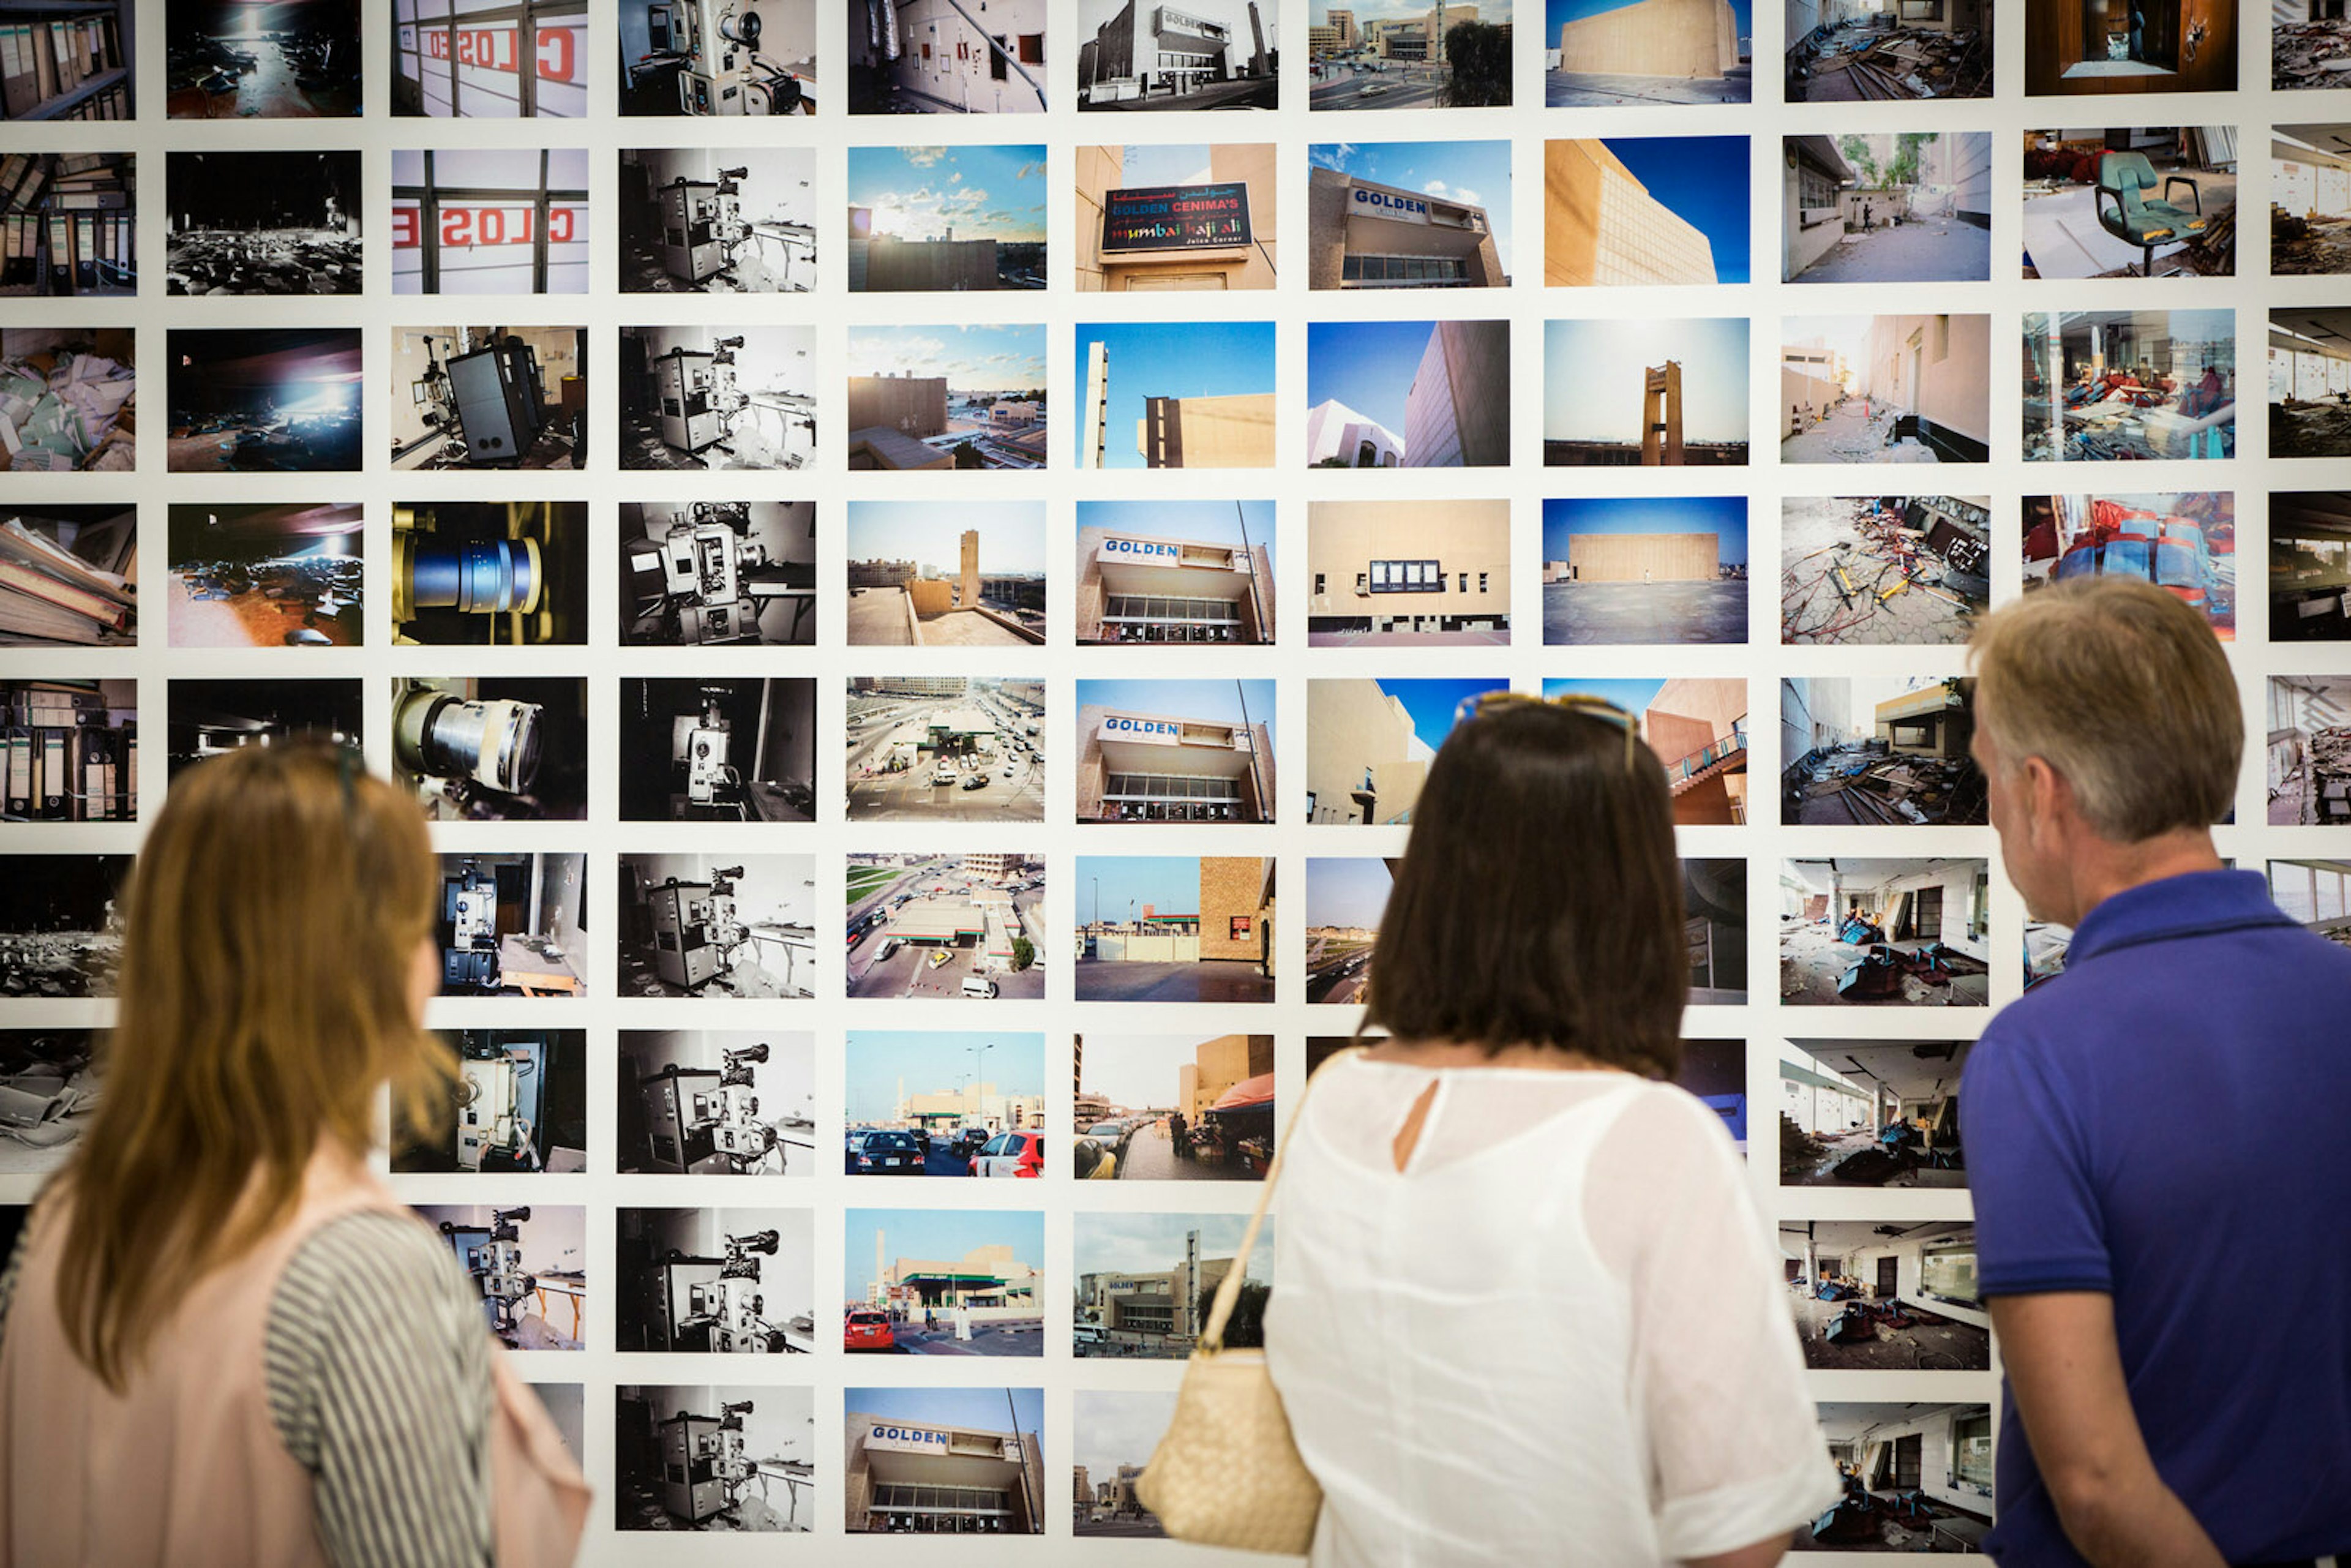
379	1379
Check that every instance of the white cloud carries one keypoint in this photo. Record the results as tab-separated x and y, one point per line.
1434	188
1030	171
956	178
1468	198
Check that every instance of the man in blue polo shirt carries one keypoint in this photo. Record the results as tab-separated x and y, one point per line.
2155	1137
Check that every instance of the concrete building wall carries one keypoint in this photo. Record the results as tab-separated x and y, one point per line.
1354	730
1257	620
1230	432
1692	39
1457	413
1334	430
1813	712
930	595
1645	558
1806	233
1220	1063
1799	389
1937	367
1600	226
915	406
1471	539
929	263
1237	886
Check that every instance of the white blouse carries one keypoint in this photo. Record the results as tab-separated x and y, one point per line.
1557	1335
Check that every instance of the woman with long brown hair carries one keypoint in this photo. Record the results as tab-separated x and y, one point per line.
225	1341
1524	1309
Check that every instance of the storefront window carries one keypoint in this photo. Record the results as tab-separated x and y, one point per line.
1948	1273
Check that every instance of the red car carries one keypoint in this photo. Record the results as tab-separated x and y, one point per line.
1010	1155
867	1330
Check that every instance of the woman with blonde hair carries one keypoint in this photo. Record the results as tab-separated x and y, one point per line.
224	1340
1525	1311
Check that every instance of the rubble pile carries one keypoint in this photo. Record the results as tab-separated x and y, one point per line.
2299	429
1879	63
2308	246
1870	787
1931	546
2309	55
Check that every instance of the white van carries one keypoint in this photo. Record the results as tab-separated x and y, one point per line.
979	986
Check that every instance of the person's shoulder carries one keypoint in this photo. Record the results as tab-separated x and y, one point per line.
391	1256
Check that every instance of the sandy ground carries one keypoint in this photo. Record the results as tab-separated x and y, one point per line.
1603	612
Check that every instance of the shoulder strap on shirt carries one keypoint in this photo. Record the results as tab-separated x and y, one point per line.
1228	1291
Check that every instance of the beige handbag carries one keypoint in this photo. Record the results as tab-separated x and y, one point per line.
1225	1472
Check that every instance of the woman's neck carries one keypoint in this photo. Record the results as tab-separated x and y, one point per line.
1443	1053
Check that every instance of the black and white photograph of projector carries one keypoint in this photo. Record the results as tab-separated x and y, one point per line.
703	573
692	398
718	56
489	573
489	397
530	1264
725	1281
692	929
733	220
499	748
720	1460
738	751
519	1104
716	1103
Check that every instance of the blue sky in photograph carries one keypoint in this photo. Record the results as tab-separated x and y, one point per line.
930	533
973	358
1594	373
1702	180
1476	173
1431	703
1722	514
981	1409
1220	702
1350	891
1122	884
1171	358
1368	366
1633	696
1557	14
984	193
1204	522
935	1235
934	1061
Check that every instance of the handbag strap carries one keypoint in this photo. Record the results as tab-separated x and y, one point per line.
1228	1289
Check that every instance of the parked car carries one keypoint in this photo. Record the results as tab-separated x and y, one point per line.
1089	1333
940	956
886	1153
863	1329
1091	1159
975	781
979	986
1112	1130
970	1139
1010	1155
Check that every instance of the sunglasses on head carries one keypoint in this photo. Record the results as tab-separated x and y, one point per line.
1589	706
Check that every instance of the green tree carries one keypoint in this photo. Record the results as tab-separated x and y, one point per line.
1245	1330
1024	952
1335	463
1479	56
1904	170
1857	153
967	455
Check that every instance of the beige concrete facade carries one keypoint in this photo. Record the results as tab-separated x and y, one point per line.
1231	431
1811	206
1697	728
1939	369
1363	763
1137	587
1236	909
1601	227
1101	169
1692	39
1217	1066
913	406
1641	557
1457	413
1460	551
882	1459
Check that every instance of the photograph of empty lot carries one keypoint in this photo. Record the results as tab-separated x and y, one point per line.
1174	929
1645	569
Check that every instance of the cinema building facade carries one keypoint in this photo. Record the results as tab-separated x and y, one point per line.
1133	588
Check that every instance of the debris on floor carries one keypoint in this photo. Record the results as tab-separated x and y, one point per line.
1864	785
1898	568
276	261
2310	55
1871	63
65	410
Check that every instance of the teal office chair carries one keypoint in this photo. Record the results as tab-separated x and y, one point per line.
2129	210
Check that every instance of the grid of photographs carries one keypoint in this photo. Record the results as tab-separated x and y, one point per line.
930	588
